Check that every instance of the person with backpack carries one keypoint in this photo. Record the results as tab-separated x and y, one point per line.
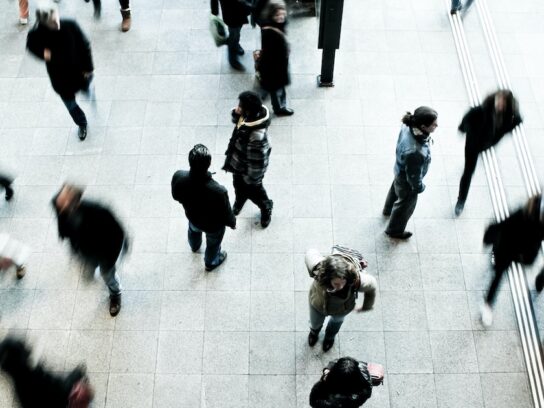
338	279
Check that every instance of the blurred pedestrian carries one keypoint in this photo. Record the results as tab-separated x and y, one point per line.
95	234
518	238
125	12
274	57
6	182
338	279
67	55
257	12
248	154
23	12
206	204
456	6
485	125
413	156
345	383
235	13
13	253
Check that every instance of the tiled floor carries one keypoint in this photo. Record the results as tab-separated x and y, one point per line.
236	337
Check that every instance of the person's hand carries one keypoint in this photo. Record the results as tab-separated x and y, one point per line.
238	110
363	263
47	54
87	75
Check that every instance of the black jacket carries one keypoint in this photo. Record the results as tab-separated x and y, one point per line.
479	128
205	201
70	55
274	61
93	231
322	396
234	12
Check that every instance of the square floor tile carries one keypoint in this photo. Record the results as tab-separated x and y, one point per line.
453	352
272	311
227	311
177	391
134	352
130	390
225	391
269	391
272	353
226	353
447	310
408	352
458	391
180	352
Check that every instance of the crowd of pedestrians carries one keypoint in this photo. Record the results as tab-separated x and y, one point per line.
97	236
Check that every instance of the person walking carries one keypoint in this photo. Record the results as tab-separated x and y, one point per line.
13	253
345	383
248	153
338	278
518	238
125	13
413	156
206	204
23	12
274	57
485	125
95	234
235	13
457	6
67	55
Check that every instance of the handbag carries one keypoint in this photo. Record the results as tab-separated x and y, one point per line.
219	30
81	394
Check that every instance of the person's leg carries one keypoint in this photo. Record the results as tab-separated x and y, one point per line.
111	279
23	11
389	201
6	183
194	236
258	195
333	326
240	193
501	265
403	209
316	320
471	161
213	256
97	4
125	13
75	111
275	100
233	45
539	281
455	6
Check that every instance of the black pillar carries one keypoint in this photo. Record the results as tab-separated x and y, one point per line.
330	27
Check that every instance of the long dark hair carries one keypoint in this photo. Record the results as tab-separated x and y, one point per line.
422	116
511	109
335	267
345	377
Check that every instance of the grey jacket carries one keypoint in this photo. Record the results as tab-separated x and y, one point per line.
413	158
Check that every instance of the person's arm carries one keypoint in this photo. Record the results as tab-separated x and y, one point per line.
466	122
368	285
84	50
214	6
414	163
34	43
229	216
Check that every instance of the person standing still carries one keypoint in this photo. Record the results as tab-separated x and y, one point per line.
206	204
125	13
67	55
274	58
413	156
235	13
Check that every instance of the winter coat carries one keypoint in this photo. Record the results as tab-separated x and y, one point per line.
518	238
93	231
70	55
257	12
205	201
248	152
479	128
234	12
413	159
274	60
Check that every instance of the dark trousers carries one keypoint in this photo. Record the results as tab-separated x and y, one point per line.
123	3
471	160
253	192
278	99
213	243
400	203
233	43
5	181
75	111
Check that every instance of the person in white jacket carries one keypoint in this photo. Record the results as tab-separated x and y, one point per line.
13	253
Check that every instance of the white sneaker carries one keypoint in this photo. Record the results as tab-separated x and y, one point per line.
23	21
486	315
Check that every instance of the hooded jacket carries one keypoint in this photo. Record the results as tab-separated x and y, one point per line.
413	158
205	201
248	151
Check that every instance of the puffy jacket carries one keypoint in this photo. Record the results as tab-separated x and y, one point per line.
413	158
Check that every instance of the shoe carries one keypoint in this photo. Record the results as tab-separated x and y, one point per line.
127	20
399	235
196	249
266	216
284	112
82	132
312	338
115	305
23	21
97	12
222	257
9	193
486	315
386	213
237	207
237	65
454	11
327	344
539	282
20	271
459	207
240	50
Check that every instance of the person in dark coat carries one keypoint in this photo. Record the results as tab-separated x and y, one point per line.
95	234
6	182
274	59
206	204
485	125
413	156
67	55
344	384
248	154
518	238
235	13
257	12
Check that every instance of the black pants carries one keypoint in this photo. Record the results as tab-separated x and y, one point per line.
233	43
471	159
123	3
253	192
400	203
5	181
75	111
278	99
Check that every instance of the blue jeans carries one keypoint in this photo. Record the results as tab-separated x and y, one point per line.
75	111
233	43
333	326
213	243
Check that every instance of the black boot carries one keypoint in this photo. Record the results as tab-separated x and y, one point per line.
266	214
539	281
328	343
313	336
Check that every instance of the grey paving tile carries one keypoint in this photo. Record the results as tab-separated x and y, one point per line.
141	310
312	233
503	311
272	311
436	236
367	346
130	390
412	390
442	272
127	113
497	393
182	310
272	353
447	310
312	360
134	352
92	347
234	274
272	271
180	353
226	353
453	352
52	346
227	311
408	352
225	391
357	233
458	390
272	391
312	201
499	351
177	390
403	310
52	309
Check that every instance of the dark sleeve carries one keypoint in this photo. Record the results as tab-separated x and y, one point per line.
516	120
230	219
467	120
319	397
414	163
84	49
174	184
34	43
214	6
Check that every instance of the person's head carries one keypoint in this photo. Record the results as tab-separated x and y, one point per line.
68	198
276	12
334	273
250	104
200	159
502	101
345	377
423	118
47	14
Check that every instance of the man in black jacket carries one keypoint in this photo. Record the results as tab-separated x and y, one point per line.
235	14
67	55
95	234
206	205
